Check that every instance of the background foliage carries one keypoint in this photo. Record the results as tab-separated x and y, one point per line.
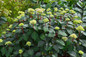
9	10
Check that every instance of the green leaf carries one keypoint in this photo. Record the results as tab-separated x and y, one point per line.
55	55
18	30
84	33
84	55
83	42
14	25
25	37
25	54
51	34
62	33
15	52
42	36
72	53
25	25
3	18
45	29
67	45
69	31
46	1
56	48
3	50
61	42
7	54
48	48
36	28
35	36
40	21
35	0
30	52
10	49
40	43
30	32
38	54
9	34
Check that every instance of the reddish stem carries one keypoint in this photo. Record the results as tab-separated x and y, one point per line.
72	39
67	22
4	36
56	34
15	0
66	25
33	27
23	21
49	19
79	36
19	21
8	23
65	55
40	17
45	24
17	36
55	17
64	19
37	15
22	30
60	18
31	16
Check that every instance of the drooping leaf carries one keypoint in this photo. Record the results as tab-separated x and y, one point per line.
3	50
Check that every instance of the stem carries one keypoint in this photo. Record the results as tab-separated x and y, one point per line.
78	37
80	55
64	19
60	18
20	55
8	23
23	21
65	55
33	27
4	36
19	21
56	34
72	39
37	15
40	17
22	30
37	1
67	22
31	16
79	33
45	24
55	17
17	36
66	25
49	19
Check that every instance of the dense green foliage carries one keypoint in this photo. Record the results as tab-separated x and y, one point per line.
42	28
44	33
9	10
81	9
